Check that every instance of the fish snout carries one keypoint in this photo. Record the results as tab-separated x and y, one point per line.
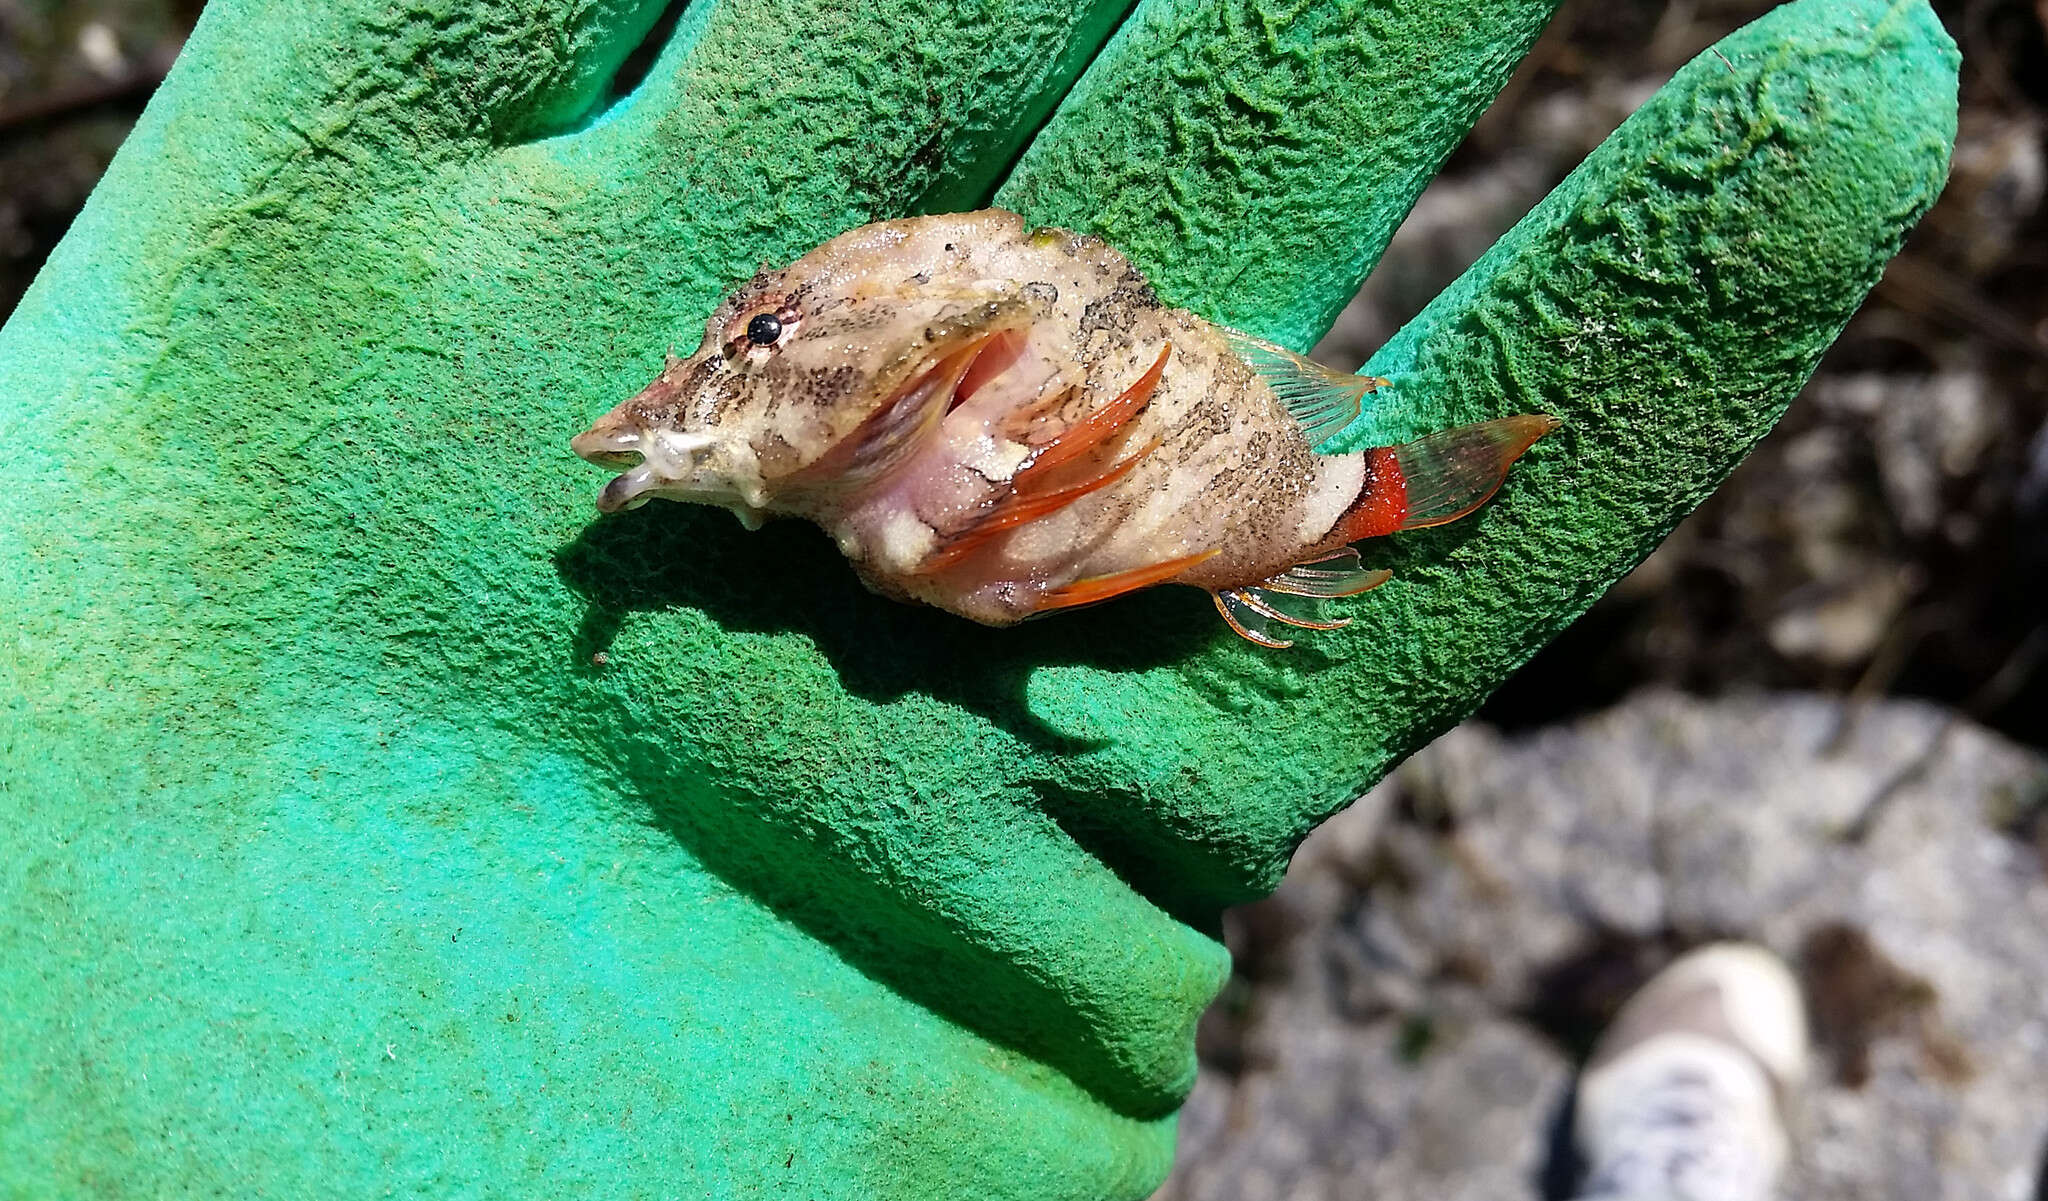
620	443
611	442
651	461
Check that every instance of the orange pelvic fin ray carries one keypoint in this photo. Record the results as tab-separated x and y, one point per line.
1247	623
1019	507
1336	574
1097	428
1323	399
1452	472
1102	587
1285	608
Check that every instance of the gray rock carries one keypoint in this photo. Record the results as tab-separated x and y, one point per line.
1410	1003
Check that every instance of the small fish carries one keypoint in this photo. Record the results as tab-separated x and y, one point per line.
1004	422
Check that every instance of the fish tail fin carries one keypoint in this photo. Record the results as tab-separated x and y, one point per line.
1439	477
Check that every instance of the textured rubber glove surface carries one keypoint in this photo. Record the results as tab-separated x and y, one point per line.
378	821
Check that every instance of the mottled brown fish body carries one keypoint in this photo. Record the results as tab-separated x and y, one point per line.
991	420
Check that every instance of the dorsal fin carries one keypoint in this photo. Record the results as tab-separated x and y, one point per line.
1323	399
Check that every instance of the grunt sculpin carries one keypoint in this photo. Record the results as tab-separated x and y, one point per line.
1004	422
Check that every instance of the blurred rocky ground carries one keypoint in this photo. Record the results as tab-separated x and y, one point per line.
1719	749
74	74
1408	1008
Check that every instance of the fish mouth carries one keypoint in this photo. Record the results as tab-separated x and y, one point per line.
619	447
614	448
649	463
628	490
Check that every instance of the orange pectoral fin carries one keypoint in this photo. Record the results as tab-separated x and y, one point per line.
1102	587
1021	506
1099	426
1040	487
897	426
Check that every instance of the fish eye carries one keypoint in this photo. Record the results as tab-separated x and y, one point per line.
767	329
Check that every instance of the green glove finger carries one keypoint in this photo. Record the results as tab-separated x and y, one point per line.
783	125
1668	313
1667	302
468	76
1257	161
1067	962
445	79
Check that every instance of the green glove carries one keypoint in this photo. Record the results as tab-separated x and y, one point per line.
378	822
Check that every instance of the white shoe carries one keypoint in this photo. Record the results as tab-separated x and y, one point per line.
1683	1098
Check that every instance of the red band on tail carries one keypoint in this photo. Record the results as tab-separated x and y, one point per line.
1438	478
1382	505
